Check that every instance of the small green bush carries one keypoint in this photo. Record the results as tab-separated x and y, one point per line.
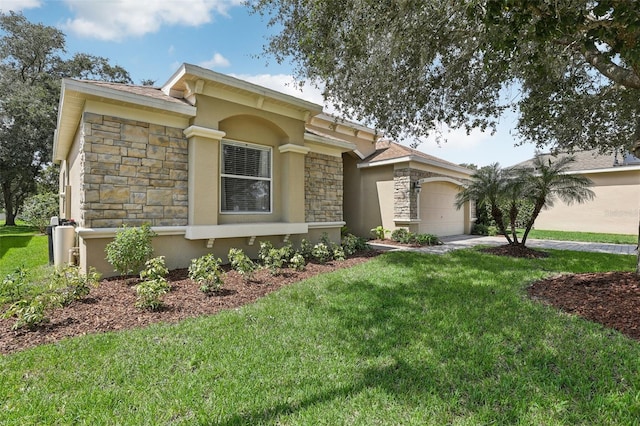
337	252
306	249
352	244
297	262
153	286
402	235
206	271
14	286
426	240
321	252
241	263
38	209
71	284
31	312
379	233
130	249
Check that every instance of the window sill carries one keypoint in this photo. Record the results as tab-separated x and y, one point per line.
238	230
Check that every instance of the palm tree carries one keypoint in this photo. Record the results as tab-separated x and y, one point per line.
488	185
542	184
550	181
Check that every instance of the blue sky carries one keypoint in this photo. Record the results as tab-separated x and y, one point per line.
151	38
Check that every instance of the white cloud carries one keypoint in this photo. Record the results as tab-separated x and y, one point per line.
217	61
285	83
18	5
117	19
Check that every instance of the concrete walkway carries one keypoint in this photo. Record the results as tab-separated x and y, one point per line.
456	242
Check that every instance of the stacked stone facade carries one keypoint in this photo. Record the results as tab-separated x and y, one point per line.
132	173
405	204
323	185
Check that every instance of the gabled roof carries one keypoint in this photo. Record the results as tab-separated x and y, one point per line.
75	93
588	160
388	152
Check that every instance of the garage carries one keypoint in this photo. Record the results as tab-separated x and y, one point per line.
437	210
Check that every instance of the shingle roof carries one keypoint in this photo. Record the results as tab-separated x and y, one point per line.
148	91
587	160
388	150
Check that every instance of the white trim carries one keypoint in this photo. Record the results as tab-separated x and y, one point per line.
343	146
323	225
406	221
441	179
237	84
237	230
90	233
127	97
607	170
298	149
204	132
417	159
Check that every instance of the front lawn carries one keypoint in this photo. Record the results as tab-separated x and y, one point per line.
22	246
589	237
406	338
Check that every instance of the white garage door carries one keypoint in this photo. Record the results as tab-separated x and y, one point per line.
438	214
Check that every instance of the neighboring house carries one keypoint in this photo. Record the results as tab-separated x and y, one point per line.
616	184
212	162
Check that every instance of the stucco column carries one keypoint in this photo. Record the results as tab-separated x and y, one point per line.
292	182
204	174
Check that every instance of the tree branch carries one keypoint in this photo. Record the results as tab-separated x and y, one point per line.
623	76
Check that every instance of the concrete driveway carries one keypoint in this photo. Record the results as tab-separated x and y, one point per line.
456	242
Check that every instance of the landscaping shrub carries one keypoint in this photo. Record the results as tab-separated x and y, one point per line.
402	235
130	249
306	249
71	283
241	263
379	232
321	252
153	286
207	273
297	262
352	244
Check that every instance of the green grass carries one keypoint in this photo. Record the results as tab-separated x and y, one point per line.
590	237
22	246
407	338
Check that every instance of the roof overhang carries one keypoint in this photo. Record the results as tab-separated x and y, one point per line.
191	80
416	159
74	95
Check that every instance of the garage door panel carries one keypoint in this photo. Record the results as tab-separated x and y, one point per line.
438	214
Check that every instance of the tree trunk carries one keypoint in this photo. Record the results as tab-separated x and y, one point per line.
496	213
10	219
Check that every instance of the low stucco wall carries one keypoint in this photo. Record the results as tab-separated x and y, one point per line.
179	251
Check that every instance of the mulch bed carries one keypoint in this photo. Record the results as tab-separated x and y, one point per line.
609	298
111	305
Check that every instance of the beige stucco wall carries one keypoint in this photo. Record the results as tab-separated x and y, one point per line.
368	197
614	209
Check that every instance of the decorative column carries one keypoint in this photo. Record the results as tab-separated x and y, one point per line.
204	174
292	160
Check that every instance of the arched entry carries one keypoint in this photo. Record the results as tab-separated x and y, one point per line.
437	210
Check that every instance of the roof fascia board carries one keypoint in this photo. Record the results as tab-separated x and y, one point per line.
188	70
343	146
131	98
417	159
607	170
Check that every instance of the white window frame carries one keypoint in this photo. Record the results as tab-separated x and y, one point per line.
253	178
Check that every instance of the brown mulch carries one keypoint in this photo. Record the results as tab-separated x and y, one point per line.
612	299
609	298
111	305
516	251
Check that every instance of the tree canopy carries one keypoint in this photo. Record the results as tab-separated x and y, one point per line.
31	67
569	68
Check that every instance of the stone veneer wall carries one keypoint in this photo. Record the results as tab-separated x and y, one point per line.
132	172
405	206
323	186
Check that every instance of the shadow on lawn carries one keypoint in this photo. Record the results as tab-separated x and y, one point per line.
12	241
469	345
